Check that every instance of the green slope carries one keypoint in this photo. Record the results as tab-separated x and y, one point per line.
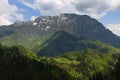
18	63
22	39
85	64
62	42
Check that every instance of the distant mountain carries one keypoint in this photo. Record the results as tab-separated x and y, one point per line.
36	32
62	42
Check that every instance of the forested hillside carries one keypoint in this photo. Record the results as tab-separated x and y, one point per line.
18	63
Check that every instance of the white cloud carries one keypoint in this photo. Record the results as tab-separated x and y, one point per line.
33	18
115	4
3	21
9	13
94	8
49	7
115	28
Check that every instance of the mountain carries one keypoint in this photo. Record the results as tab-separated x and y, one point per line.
62	42
34	33
18	63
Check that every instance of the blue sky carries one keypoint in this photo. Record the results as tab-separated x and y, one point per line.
27	11
106	11
111	18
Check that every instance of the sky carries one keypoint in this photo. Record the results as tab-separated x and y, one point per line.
105	11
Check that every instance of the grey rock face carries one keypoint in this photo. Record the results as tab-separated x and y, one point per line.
77	25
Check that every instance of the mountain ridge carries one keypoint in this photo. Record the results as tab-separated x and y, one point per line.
36	32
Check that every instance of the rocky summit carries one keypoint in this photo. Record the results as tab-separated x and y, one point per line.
44	27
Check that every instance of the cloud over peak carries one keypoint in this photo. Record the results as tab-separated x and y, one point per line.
94	8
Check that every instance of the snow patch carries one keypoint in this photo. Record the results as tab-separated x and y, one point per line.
47	27
34	23
64	18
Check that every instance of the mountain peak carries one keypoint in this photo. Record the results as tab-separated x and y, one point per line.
72	14
68	15
77	25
